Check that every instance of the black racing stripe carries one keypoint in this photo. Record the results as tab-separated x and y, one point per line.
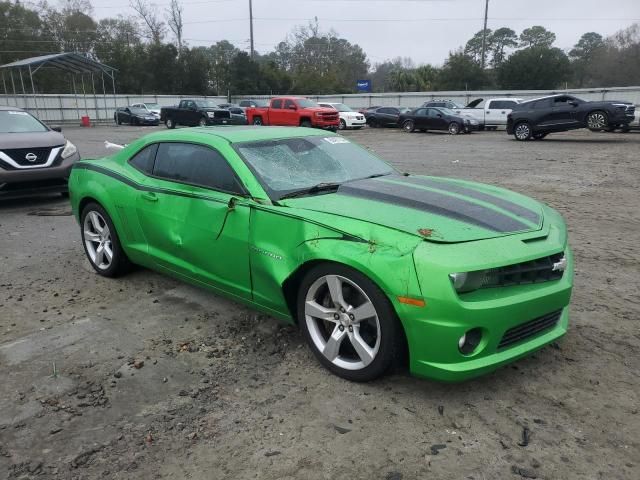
143	188
514	208
432	202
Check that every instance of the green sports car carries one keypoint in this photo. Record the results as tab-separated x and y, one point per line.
309	227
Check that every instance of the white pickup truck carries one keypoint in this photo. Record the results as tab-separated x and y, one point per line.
490	113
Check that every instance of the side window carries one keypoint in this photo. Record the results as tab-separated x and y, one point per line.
421	112
432	112
289	103
143	160
196	165
276	104
384	110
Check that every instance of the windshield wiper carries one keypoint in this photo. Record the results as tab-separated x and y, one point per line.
320	187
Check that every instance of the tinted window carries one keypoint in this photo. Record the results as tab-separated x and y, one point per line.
276	104
388	111
289	104
196	165
503	104
143	160
432	112
421	112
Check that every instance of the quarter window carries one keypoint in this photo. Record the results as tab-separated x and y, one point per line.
143	160
195	165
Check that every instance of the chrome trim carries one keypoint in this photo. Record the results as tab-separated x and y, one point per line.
52	156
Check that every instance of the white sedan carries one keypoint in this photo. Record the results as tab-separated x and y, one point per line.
152	108
348	118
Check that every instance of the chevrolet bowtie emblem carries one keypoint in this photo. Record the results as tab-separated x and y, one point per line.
560	266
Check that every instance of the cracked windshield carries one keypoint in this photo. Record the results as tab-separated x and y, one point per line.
297	163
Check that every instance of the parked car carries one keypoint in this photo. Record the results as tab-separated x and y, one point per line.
558	113
290	111
197	112
385	116
348	117
34	158
424	119
152	108
313	229
135	116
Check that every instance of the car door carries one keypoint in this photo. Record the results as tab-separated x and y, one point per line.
187	114
195	218
436	119
290	114
276	112
542	115
420	119
563	113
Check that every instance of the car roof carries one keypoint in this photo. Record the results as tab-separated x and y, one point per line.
239	134
548	96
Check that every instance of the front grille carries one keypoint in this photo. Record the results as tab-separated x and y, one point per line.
534	271
19	155
222	114
529	329
329	116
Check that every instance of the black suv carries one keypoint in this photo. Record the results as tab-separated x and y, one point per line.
558	113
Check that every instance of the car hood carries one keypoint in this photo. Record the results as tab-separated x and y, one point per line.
436	209
31	140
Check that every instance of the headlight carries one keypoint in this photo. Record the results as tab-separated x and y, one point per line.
69	149
468	281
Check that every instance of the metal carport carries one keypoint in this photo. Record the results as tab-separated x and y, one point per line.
73	63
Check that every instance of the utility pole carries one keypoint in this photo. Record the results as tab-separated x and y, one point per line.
251	24
484	31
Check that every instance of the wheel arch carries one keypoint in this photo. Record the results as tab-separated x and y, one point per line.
305	119
290	292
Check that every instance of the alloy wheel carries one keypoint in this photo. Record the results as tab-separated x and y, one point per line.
596	121
97	239
343	125
203	122
523	131
257	121
408	126
342	322
454	128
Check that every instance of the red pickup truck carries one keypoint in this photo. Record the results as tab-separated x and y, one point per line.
294	111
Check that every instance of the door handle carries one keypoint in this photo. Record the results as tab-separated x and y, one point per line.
150	196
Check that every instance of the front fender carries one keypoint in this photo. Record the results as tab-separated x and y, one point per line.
282	246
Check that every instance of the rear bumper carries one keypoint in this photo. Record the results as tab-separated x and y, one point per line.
19	183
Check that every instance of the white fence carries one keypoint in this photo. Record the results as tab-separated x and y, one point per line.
70	108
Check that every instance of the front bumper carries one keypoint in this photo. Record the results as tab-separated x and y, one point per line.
470	127
354	122
34	181
433	331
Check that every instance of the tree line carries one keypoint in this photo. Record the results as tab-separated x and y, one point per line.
151	55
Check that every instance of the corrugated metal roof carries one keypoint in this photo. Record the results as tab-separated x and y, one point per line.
69	62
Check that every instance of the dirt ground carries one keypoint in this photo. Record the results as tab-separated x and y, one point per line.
223	392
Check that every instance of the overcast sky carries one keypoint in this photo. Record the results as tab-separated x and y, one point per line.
425	30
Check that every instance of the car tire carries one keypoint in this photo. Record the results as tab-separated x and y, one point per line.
202	122
306	123
597	121
257	121
170	124
522	131
360	351
408	126
117	120
454	128
373	123
99	236
343	125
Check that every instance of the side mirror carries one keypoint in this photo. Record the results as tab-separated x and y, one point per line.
439	115
56	129
231	206
573	103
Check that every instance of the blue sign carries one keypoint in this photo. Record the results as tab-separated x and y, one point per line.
363	85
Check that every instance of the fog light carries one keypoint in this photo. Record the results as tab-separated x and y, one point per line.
470	341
